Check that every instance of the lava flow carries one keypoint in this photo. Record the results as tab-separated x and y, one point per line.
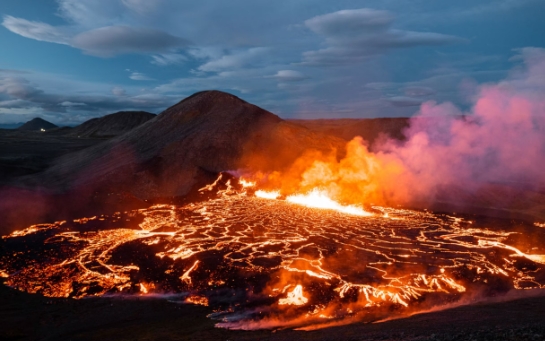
263	262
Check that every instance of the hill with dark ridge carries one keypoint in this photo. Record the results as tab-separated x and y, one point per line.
37	124
206	133
111	125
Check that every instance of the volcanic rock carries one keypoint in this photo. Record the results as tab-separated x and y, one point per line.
111	125
37	124
204	134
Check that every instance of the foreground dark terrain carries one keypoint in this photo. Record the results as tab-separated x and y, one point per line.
33	317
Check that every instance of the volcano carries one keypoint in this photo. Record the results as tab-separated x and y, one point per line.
37	124
208	132
167	156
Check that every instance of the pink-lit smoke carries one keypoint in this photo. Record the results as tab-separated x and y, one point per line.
485	153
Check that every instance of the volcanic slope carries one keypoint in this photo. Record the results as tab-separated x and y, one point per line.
206	133
37	124
111	125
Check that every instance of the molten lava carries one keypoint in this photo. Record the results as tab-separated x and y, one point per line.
267	194
295	297
320	199
265	263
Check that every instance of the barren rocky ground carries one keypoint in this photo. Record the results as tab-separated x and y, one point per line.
32	317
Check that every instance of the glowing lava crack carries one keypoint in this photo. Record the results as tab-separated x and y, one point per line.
262	263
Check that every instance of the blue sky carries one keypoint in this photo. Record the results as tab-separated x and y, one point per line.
70	60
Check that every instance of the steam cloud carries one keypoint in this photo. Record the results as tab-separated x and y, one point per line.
500	141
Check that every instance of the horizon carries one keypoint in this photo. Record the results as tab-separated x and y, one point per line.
69	61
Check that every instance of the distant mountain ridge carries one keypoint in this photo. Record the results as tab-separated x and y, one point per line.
11	125
37	124
111	125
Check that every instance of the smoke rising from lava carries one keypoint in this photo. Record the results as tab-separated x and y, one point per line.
499	141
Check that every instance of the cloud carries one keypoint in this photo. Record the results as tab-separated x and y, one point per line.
289	76
355	35
494	6
138	76
403	101
11	71
91	14
143	7
105	41
37	30
13	104
418	91
169	59
24	97
71	104
533	82
235	60
349	22
18	87
118	91
113	40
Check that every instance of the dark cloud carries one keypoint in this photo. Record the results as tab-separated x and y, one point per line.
113	40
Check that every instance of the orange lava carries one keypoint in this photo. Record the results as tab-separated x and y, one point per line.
267	263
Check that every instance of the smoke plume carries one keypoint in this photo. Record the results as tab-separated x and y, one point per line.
500	141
